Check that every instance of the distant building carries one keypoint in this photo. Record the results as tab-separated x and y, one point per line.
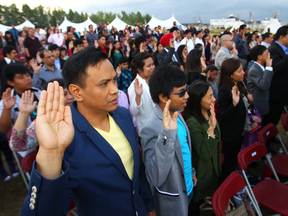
223	23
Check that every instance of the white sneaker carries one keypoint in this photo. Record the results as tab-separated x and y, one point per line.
7	178
16	174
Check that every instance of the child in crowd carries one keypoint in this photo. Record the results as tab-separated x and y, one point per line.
124	76
43	42
213	73
19	78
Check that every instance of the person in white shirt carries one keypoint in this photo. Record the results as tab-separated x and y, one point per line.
199	40
177	37
267	39
188	41
37	33
141	104
56	38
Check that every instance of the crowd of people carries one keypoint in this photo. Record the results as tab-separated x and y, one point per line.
87	102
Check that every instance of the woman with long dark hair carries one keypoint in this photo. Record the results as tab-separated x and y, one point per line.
195	65
182	53
204	130
9	39
141	104
115	54
232	112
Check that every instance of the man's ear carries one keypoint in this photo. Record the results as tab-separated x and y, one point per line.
11	83
76	92
163	99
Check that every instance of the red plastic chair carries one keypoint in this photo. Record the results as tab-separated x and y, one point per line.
27	163
1	53
270	193
284	122
233	184
1	57
269	132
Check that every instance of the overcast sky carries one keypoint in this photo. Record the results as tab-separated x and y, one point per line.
185	11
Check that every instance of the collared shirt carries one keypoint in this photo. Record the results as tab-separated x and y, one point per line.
241	46
173	57
8	61
227	49
285	49
91	38
57	39
151	47
40	79
57	63
265	44
262	67
176	43
189	44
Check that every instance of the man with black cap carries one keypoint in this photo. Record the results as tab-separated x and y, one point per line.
168	54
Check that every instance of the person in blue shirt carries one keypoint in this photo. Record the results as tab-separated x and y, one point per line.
124	75
166	143
14	32
241	45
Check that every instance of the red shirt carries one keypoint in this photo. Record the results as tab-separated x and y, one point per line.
103	49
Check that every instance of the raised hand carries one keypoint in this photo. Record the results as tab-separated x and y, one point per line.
7	101
269	60
71	44
235	95
54	127
212	119
118	71
138	88
234	50
110	46
169	123
26	105
141	48
96	44
36	68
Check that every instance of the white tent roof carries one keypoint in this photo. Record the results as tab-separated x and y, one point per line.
4	28
236	25
79	26
117	23
164	23
274	25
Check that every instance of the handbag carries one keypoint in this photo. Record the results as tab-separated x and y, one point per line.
244	209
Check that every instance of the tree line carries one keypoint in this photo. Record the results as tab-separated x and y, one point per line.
45	17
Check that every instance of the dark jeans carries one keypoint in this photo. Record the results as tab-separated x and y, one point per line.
193	209
230	153
4	146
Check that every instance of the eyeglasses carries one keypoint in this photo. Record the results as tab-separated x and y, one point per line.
182	93
229	40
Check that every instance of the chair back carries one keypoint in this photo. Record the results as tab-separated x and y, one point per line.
27	161
233	184
251	153
269	131
284	121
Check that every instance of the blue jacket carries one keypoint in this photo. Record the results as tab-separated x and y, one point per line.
93	174
14	33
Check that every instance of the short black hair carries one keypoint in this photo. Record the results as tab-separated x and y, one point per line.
198	45
90	25
266	35
242	27
77	42
282	31
256	51
59	80
101	36
198	32
175	64
53	47
139	40
28	59
10	70
41	49
164	79
138	61
122	60
174	29
210	68
187	31
74	70
37	26
7	50
42	53
62	48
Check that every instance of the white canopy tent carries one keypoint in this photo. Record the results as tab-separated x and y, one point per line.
164	23
4	28
236	25
274	25
79	26
27	23
117	23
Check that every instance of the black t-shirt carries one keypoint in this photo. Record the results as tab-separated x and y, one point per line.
32	45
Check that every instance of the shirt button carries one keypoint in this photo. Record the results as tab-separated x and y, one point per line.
133	191
31	206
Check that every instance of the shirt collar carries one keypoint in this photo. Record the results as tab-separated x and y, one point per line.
227	49
262	67
8	61
285	49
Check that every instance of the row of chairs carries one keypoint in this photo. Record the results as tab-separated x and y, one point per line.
269	193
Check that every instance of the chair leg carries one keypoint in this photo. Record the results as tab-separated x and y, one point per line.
283	146
21	170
